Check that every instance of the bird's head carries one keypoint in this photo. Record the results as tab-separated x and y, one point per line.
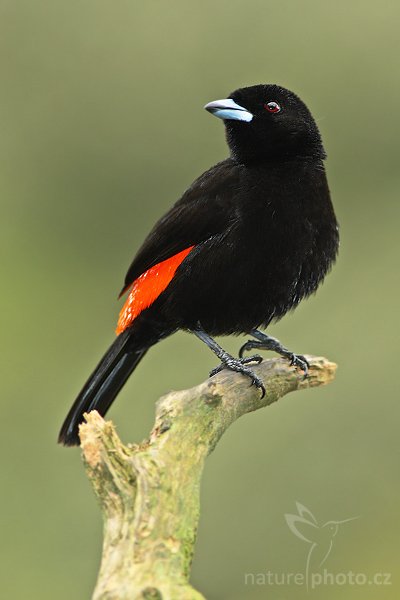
332	527
268	123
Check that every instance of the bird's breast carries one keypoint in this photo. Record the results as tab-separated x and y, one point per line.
275	252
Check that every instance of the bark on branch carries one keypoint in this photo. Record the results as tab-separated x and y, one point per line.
149	492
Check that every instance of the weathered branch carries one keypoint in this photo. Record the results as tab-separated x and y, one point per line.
149	493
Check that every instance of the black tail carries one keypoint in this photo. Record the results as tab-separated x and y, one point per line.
102	386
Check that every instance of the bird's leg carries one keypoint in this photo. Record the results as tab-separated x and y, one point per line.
229	362
265	342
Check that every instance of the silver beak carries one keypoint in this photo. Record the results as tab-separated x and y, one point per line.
227	109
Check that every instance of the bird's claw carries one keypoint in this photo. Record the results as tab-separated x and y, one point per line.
296	360
256	381
256	358
249	345
238	365
243	361
300	361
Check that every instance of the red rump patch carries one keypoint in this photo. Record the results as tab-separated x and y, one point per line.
147	287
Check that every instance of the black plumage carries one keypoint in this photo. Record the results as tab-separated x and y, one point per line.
264	234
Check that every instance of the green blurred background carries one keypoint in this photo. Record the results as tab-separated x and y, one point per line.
102	128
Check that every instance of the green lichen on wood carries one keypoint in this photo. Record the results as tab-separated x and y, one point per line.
150	493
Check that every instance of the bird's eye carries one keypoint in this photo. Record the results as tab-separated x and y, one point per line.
272	107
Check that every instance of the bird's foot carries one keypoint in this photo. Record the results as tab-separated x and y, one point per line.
265	342
299	361
250	345
239	366
243	361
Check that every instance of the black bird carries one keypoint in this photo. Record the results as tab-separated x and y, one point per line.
248	240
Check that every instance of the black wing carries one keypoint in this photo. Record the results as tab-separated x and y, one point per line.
204	210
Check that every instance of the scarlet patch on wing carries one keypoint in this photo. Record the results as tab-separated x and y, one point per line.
147	287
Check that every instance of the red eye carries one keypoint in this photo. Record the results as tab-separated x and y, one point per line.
272	107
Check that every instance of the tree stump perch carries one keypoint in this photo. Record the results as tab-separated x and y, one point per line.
149	493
